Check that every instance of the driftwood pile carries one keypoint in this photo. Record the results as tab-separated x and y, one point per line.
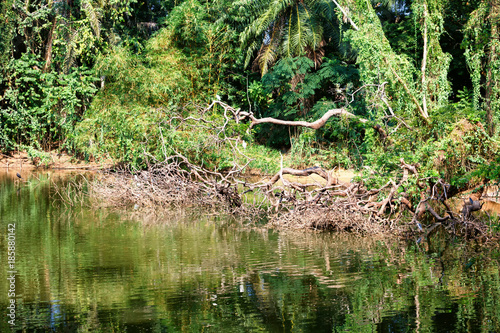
172	183
293	205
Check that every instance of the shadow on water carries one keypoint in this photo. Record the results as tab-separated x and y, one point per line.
94	270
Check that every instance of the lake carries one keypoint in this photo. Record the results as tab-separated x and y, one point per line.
81	269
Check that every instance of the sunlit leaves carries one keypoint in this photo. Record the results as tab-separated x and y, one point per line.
284	28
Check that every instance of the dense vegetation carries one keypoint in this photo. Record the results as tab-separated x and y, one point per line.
117	79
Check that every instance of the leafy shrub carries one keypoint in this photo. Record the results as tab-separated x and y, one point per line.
42	108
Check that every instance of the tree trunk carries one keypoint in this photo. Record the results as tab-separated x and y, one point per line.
48	49
424	115
424	65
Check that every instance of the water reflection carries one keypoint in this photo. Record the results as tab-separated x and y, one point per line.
91	270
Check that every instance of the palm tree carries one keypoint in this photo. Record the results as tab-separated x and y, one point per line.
288	28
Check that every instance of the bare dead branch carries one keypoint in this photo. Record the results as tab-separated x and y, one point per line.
330	180
314	125
346	16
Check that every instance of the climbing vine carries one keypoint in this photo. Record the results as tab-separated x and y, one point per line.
482	45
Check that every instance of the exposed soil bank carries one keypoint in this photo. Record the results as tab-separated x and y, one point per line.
22	161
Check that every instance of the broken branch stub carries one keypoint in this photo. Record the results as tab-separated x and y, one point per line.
471	206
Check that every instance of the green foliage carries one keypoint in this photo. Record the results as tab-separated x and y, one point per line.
465	98
490	171
289	82
7	31
38	157
42	108
402	38
46	61
124	117
481	45
307	149
189	25
459	151
429	18
287	29
259	97
294	81
295	89
138	112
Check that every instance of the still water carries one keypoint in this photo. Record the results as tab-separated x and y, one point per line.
94	270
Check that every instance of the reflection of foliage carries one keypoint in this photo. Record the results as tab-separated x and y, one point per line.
90	270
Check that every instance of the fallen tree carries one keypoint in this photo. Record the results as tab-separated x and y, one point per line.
287	203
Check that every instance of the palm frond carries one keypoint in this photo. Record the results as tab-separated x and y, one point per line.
250	50
305	27
268	52
93	16
69	58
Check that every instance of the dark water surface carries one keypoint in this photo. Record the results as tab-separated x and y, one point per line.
91	270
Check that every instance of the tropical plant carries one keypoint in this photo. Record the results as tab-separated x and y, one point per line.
47	56
282	28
